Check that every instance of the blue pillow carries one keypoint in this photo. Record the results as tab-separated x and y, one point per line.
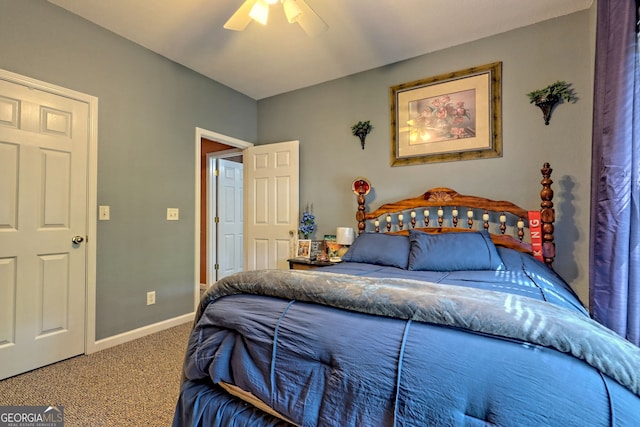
459	251
380	249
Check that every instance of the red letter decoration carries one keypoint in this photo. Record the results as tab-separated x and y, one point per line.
535	228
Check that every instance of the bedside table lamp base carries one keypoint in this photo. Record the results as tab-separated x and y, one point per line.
345	237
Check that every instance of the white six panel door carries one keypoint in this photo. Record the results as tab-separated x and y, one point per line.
271	208
43	205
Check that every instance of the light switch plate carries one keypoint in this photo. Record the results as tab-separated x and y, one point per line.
104	213
173	214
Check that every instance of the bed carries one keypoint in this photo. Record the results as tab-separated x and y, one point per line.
445	311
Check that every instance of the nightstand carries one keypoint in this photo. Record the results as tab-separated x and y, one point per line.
305	264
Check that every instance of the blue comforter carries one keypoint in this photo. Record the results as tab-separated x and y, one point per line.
354	345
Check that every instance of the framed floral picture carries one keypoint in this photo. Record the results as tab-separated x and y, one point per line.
304	248
454	116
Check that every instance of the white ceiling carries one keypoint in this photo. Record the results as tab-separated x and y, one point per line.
264	61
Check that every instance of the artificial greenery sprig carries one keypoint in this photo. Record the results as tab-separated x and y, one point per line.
361	130
558	90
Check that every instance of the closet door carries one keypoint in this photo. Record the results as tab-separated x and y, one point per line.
230	221
44	140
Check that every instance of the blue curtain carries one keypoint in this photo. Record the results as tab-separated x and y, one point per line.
615	214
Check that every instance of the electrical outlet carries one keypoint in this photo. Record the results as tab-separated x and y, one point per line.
151	298
173	214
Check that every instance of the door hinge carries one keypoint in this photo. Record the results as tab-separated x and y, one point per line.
216	172
216	267
216	219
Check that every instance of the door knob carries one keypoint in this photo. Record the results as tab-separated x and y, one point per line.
77	239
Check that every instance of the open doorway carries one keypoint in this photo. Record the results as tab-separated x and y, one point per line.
209	145
217	159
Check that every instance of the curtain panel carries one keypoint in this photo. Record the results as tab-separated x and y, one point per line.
615	215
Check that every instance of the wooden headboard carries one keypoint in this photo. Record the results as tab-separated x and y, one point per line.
443	210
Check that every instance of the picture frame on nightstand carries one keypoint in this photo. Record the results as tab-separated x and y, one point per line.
303	249
315	249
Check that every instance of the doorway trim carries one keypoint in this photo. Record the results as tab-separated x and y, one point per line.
225	139
92	193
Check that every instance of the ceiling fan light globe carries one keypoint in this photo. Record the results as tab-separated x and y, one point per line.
291	10
260	12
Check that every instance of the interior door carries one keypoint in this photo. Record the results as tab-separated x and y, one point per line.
229	214
271	207
43	225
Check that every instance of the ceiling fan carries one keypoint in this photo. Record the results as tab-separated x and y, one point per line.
295	11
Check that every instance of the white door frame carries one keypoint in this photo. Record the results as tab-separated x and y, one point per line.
92	192
217	137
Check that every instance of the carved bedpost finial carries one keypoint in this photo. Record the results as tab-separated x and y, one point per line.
547	216
361	187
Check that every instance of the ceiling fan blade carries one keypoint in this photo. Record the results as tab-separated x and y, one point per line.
240	19
310	22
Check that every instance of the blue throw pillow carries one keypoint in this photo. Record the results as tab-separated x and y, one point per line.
458	251
380	249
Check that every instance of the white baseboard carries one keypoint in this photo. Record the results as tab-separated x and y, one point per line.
139	333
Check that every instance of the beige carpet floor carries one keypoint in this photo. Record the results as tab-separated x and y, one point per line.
129	385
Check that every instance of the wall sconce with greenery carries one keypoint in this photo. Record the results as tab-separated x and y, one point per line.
361	130
547	98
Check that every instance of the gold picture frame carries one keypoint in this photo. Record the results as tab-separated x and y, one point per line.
449	117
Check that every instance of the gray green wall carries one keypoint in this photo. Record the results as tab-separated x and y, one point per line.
148	108
533	57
